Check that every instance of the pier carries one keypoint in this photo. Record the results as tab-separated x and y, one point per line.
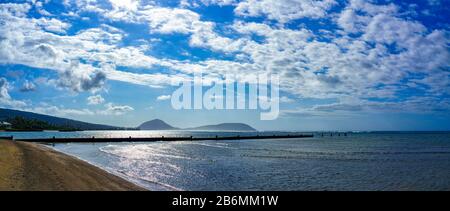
161	138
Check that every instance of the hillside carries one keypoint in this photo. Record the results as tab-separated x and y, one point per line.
55	122
156	124
226	127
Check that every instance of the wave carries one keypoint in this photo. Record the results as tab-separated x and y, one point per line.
344	152
215	145
349	156
144	181
112	171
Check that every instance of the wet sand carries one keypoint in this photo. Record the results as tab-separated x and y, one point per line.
34	167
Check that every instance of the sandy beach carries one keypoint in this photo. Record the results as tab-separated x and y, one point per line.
33	167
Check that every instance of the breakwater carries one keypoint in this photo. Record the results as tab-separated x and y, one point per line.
160	138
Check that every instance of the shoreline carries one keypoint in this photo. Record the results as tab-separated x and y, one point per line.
34	167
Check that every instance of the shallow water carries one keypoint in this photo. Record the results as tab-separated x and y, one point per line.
364	161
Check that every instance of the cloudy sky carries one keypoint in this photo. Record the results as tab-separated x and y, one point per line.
344	65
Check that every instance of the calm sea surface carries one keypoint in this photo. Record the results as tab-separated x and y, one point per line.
359	161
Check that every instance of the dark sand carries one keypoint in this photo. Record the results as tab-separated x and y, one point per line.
33	167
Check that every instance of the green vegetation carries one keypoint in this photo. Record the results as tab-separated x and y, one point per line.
4	127
23	124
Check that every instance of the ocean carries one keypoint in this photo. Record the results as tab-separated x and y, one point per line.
358	161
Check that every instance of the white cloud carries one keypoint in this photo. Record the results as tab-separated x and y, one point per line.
16	10
28	86
59	111
219	2
411	105
357	14
429	105
284	11
39	5
350	21
52	25
163	97
175	20
4	89
386	29
25	42
285	99
126	4
78	79
159	19
5	98
376	52
95	100
112	109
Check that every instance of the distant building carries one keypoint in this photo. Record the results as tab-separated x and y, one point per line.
5	125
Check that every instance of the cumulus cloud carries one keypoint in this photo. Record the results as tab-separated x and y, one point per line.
5	98
284	11
112	109
163	97
59	111
375	52
53	25
95	100
23	42
127	4
4	89
17	10
79	79
219	2
285	99
412	105
28	86
423	105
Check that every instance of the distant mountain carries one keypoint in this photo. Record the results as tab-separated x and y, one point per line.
226	127
156	124
6	114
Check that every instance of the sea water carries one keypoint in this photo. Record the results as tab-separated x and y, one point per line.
358	161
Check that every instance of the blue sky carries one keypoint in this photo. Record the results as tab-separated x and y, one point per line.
343	65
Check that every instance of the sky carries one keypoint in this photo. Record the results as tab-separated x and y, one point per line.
343	65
